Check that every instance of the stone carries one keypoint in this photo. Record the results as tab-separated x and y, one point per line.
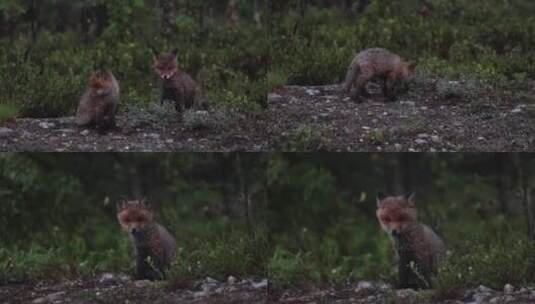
5	132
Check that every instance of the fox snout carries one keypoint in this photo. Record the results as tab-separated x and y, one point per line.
166	76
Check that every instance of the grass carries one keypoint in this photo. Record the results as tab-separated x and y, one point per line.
474	263
490	40
217	255
8	111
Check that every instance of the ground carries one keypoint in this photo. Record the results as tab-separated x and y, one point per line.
116	288
379	293
144	131
119	288
436	115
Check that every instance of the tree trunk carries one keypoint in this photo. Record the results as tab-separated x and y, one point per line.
168	16
522	163
244	187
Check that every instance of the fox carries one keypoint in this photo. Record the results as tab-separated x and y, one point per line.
419	250
98	105
376	63
154	246
178	86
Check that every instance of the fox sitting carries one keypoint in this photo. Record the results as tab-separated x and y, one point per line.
154	246
418	249
376	63
99	103
178	86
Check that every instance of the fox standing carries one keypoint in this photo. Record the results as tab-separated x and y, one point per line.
154	246
376	62
98	104
178	85
418	249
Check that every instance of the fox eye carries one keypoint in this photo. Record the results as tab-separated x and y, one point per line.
386	219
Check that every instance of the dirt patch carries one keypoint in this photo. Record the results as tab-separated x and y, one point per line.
378	293
242	132
111	288
435	116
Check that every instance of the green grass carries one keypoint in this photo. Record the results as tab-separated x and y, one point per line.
8	111
474	263
486	40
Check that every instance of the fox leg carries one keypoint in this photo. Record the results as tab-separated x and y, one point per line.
148	268
388	88
360	87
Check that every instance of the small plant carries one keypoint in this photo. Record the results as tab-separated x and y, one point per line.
8	111
305	138
276	79
195	119
378	136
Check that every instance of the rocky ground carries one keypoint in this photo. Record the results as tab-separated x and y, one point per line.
113	288
435	115
117	288
376	293
143	130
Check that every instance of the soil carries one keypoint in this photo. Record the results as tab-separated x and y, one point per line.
114	288
379	293
245	132
431	117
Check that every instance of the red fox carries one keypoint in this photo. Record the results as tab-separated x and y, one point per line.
98	104
178	86
376	62
154	246
418	249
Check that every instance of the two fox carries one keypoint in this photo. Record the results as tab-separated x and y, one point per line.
99	103
154	246
376	63
418	248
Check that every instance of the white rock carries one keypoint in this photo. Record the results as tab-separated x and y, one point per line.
142	283
210	280
364	285
261	284
4	132
508	289
85	132
106	277
423	135
231	280
518	109
312	92
46	125
274	97
49	298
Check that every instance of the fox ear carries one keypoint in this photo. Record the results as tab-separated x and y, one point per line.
145	203
412	67
153	49
380	196
174	52
410	199
121	204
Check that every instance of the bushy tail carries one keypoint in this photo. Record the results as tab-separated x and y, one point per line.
84	114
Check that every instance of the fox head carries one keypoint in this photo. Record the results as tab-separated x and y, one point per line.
408	70
395	213
166	64
134	216
101	81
